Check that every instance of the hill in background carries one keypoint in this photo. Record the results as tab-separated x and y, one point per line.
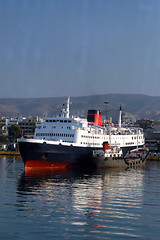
142	106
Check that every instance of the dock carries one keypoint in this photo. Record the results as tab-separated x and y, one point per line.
11	153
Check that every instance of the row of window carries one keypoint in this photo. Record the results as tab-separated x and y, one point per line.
63	121
95	144
26	124
130	143
140	137
121	138
55	127
90	137
55	134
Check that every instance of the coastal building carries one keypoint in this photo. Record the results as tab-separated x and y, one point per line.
3	126
27	125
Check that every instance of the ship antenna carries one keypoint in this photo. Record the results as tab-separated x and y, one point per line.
68	102
120	117
106	102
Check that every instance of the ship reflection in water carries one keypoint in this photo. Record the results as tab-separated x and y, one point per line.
87	204
79	204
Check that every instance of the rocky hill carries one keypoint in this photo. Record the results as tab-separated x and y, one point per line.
139	105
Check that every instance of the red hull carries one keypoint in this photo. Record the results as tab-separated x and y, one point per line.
29	165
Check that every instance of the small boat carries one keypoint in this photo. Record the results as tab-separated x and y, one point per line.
136	156
112	157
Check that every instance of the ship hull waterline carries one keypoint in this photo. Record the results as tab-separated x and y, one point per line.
37	155
110	162
50	156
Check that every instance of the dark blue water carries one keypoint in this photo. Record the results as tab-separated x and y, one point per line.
103	204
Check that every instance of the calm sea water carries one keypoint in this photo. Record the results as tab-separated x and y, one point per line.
103	204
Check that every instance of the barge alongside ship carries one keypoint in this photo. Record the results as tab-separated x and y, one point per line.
112	157
64	141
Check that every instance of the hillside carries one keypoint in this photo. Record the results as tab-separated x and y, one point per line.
142	106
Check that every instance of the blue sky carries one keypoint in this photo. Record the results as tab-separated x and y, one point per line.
54	48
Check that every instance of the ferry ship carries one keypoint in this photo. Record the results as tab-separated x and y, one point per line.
64	141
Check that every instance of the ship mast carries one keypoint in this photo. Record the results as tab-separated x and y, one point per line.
68	102
120	117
